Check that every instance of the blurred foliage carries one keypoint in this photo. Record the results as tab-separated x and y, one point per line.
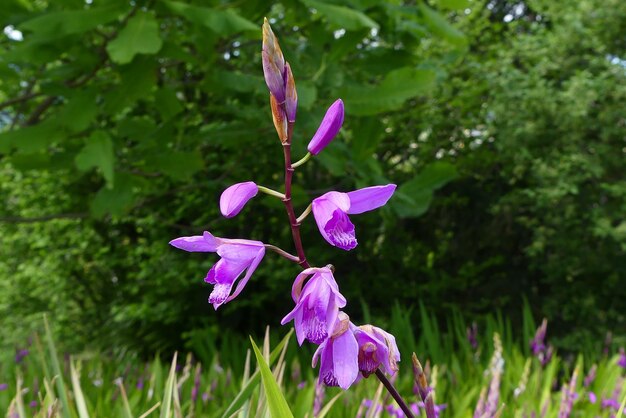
501	122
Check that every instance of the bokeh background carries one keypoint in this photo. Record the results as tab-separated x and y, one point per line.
502	122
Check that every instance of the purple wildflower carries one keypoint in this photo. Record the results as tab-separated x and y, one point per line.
238	255
472	335
33	404
20	355
621	362
3	386
328	129
592	397
339	356
591	376
331	212
537	344
317	305
376	348
235	197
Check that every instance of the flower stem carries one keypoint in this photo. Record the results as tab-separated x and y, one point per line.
304	159
282	253
271	192
394	393
293	221
304	214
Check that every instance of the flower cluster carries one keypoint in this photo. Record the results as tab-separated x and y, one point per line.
346	352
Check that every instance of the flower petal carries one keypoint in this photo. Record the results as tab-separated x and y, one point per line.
253	265
369	198
340	231
328	129
234	198
345	359
206	243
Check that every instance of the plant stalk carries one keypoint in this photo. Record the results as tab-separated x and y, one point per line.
394	393
293	221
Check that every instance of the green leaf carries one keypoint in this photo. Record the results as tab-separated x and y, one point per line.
79	111
31	139
307	94
167	103
454	4
139	36
441	27
54	25
177	165
222	22
35	161
275	399
170	387
115	201
137	82
413	198
366	135
341	16
397	86
98	152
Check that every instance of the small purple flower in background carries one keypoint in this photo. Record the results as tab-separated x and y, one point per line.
621	362
591	376
592	397
33	404
331	212
328	129
3	386
338	356
238	255
140	383
235	197
317	305
472	335
376	348
537	344
20	355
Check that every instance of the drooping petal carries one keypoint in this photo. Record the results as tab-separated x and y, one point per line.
369	198
345	359
219	294
206	243
328	129
252	267
235	197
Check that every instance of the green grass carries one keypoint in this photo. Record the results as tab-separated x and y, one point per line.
95	385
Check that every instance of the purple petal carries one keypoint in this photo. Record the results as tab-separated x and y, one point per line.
328	129
332	221
273	77
369	198
345	359
291	96
206	243
242	283
235	197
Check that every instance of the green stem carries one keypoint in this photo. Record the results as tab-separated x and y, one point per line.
305	213
304	159
271	192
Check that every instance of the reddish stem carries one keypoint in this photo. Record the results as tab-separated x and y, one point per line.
293	220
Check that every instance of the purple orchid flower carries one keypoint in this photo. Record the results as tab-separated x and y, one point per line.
377	348
238	255
328	129
338	356
317	305
331	212
235	197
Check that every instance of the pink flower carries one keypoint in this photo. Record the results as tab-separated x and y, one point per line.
238	255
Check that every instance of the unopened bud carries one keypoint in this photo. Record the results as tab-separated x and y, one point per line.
280	119
273	63
291	95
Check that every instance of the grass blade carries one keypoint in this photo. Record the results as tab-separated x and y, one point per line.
166	406
56	367
81	406
275	398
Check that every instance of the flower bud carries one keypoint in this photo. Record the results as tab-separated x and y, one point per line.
273	63
235	197
328	129
291	95
280	119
